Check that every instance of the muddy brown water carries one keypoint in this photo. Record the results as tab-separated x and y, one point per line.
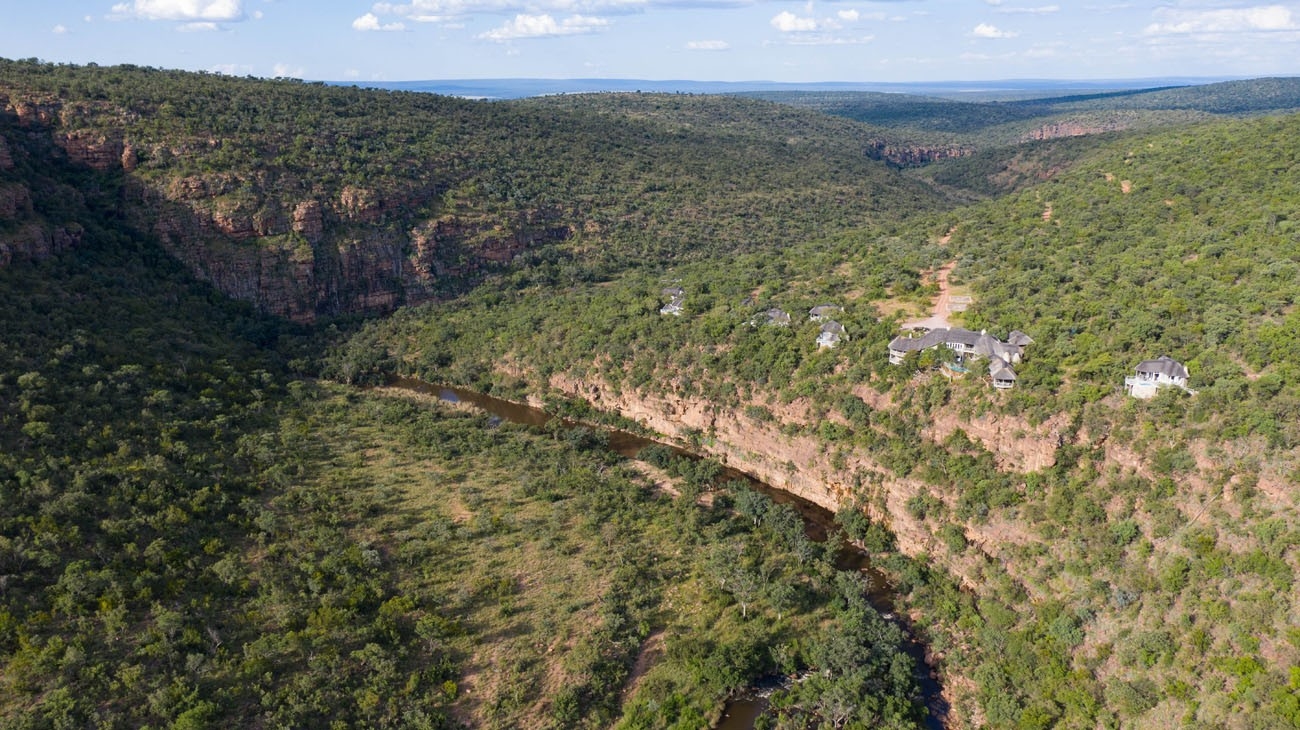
741	712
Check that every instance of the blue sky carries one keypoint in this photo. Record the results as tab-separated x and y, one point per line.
714	40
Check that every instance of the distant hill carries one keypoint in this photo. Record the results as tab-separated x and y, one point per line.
932	113
971	125
1005	89
1245	97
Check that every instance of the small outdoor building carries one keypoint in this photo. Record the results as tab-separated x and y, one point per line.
823	312
775	317
676	300
1004	378
832	334
1162	372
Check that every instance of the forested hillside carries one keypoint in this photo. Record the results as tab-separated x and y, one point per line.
211	516
1181	243
1113	548
192	536
194	533
310	200
983	124
979	149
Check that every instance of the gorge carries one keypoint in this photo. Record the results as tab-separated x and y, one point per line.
203	518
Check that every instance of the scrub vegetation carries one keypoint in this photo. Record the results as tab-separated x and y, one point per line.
210	517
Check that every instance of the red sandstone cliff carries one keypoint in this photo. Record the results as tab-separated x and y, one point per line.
289	246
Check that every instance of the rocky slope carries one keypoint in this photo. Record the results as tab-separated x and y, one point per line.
801	463
901	154
317	251
1075	128
25	233
310	200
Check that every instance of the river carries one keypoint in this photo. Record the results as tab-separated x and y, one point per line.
819	522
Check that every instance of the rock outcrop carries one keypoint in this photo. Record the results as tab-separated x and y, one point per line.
308	221
15	201
912	155
1068	128
24	234
96	149
39	110
799	464
34	241
289	246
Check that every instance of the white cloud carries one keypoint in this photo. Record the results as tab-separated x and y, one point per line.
788	22
984	30
197	27
821	39
59	29
707	46
284	71
439	10
1228	20
849	16
543	26
370	22
182	10
1041	10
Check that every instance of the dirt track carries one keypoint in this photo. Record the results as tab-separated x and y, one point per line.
939	314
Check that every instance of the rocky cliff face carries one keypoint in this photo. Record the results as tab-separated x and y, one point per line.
911	155
34	241
291	247
99	150
787	455
24	234
805	466
326	257
1069	128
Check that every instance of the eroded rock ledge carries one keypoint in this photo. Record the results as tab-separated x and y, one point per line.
805	466
291	247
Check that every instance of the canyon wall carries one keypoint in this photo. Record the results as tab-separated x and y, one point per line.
292	247
801	463
25	235
913	155
1075	128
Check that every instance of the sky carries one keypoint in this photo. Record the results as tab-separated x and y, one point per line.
705	40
